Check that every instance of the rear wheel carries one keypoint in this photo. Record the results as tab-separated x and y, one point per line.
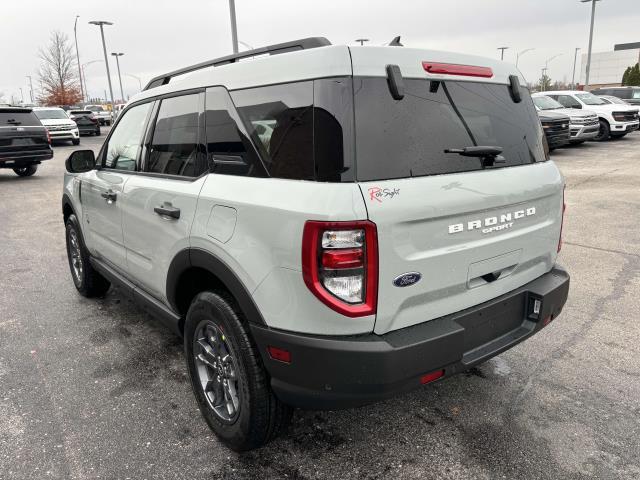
604	132
26	171
228	378
86	279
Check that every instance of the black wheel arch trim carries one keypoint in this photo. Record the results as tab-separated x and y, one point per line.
197	257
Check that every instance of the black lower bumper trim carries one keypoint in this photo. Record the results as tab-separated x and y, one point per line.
343	372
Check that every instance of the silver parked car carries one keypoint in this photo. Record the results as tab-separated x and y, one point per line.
583	124
326	226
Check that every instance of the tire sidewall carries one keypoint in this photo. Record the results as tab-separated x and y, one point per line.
210	306
72	224
604	132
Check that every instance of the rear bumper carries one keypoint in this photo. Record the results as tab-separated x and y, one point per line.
343	372
24	158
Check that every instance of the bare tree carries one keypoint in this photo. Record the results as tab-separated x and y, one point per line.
58	72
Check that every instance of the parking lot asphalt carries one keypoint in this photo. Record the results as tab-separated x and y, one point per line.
98	389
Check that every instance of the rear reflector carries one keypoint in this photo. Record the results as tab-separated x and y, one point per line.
346	258
430	377
454	69
279	354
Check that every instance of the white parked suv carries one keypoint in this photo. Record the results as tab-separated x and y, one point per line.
58	124
326	226
615	120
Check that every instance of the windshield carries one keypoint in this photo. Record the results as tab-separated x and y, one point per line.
590	99
51	114
546	103
95	108
408	137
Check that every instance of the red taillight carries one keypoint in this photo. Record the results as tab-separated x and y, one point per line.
279	354
340	265
430	377
455	69
564	208
344	258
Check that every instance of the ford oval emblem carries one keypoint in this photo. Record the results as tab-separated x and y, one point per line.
407	279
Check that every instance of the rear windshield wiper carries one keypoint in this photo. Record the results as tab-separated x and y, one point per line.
489	155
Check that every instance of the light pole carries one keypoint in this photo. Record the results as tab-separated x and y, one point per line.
30	87
502	49
593	15
117	55
542	85
137	78
546	67
362	40
101	24
522	52
234	29
84	75
573	76
75	34
21	95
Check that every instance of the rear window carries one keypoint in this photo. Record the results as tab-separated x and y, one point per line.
407	138
95	108
18	117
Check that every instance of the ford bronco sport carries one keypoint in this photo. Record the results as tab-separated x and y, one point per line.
326	226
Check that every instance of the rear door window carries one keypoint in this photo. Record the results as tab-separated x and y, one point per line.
408	137
175	146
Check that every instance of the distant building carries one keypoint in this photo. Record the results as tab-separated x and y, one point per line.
607	68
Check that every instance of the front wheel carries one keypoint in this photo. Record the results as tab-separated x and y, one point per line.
26	171
604	132
86	279
97	132
228	378
76	141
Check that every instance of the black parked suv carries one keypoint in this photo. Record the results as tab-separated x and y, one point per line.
630	95
87	122
556	128
24	142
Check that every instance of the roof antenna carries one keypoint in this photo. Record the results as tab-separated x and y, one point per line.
396	42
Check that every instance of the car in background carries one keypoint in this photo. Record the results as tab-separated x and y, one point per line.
583	124
117	110
613	100
24	141
556	128
615	120
102	114
87	122
631	95
58	124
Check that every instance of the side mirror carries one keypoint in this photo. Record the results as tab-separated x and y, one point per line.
81	161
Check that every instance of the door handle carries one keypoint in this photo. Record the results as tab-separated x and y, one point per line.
110	196
167	210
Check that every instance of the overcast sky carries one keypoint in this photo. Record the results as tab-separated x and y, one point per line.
160	35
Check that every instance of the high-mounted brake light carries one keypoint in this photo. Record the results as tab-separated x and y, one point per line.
340	265
564	208
455	69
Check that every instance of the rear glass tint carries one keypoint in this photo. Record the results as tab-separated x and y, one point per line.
407	138
24	118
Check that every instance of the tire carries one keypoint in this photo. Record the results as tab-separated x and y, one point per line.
97	132
256	416
26	171
577	142
86	279
76	141
604	132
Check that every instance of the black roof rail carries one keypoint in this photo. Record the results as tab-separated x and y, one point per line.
302	44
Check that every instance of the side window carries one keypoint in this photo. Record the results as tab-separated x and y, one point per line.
228	144
624	93
279	118
125	142
175	148
568	101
